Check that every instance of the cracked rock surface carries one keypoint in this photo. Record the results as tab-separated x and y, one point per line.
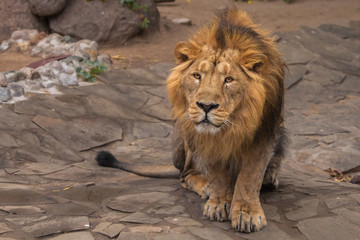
51	187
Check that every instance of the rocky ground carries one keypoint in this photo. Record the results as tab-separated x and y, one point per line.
51	187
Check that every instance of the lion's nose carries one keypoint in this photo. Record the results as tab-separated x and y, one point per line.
207	107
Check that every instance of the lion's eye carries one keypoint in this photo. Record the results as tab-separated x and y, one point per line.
228	80
197	76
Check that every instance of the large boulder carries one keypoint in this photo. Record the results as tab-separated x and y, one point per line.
108	22
16	14
46	8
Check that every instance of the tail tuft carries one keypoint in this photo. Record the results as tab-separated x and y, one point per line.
106	159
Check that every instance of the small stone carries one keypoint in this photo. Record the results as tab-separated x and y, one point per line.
67	79
182	21
48	84
10	76
355	179
67	68
55	67
86	47
104	58
45	8
69	39
5	94
109	229
5	45
45	73
36	51
16	89
139	217
30	73
3	81
32	85
24	34
23	46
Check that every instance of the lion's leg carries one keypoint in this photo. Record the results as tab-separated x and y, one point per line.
192	177
246	213
220	193
195	182
273	169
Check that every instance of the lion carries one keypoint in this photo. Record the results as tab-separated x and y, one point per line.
227	97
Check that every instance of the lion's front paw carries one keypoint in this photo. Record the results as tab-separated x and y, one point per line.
247	217
218	210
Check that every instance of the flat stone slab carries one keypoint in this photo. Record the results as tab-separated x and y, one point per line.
353	215
145	130
146	229
81	133
19	210
305	208
25	220
136	202
4	228
294	53
52	105
270	232
132	236
83	235
209	233
139	217
296	73
331	228
183	221
175	236
109	229
13	197
57	225
337	202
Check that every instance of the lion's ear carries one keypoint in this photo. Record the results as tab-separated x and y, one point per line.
255	64
185	51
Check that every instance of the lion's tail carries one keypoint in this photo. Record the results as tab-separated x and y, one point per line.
106	159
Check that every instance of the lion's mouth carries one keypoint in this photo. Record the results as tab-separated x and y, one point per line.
207	121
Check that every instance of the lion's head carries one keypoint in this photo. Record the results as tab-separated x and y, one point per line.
228	84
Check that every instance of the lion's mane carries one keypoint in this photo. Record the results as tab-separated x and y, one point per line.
260	112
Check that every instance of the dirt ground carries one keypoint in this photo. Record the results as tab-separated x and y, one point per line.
150	48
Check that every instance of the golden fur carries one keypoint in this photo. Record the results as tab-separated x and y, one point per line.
227	98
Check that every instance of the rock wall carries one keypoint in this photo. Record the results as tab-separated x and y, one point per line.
108	22
15	15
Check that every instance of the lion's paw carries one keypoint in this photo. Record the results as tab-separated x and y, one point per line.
217	210
270	180
247	217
